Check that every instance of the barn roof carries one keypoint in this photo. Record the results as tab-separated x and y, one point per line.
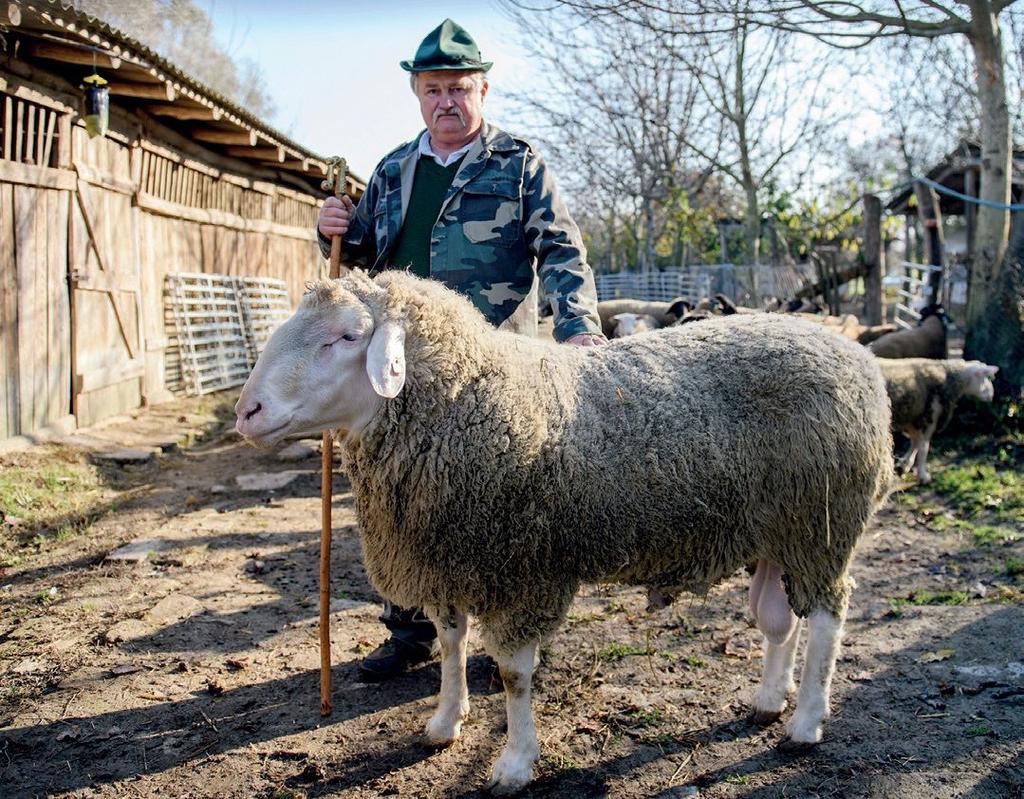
48	33
951	172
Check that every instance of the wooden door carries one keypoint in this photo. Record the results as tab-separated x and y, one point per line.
35	328
108	339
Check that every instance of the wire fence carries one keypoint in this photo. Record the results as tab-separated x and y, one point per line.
747	285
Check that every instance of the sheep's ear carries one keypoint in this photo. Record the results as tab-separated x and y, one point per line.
616	319
989	371
385	359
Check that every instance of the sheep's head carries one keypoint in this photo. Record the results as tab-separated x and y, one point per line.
626	324
979	380
331	365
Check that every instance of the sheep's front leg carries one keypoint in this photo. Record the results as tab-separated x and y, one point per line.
922	458
514	768
445	725
908	459
824	631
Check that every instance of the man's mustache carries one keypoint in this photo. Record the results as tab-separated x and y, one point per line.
453	111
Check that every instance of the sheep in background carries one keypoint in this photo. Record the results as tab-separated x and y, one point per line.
728	307
661	311
627	324
927	340
923	393
493	473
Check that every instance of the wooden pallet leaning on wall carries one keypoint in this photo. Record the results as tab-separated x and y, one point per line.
220	325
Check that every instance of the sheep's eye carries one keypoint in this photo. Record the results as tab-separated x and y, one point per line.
350	336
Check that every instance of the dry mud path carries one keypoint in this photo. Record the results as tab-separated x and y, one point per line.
195	672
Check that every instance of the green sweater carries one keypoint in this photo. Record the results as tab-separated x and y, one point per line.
429	187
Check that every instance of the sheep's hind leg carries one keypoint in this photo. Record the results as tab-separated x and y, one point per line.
445	725
922	458
774	617
824	632
514	767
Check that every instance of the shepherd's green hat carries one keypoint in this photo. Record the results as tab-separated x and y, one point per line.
448	46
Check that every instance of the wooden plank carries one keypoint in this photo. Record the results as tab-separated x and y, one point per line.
101	378
28	156
31	317
9	399
19	121
42	115
58	357
8	124
32	175
51	129
104	179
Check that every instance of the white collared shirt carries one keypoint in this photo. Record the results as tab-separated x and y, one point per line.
427	150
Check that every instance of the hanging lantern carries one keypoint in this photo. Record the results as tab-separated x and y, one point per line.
97	105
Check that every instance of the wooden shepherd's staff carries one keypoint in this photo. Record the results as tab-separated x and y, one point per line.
337	174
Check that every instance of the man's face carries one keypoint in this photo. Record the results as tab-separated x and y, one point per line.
452	105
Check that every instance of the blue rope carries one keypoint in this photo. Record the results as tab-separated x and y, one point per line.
967	198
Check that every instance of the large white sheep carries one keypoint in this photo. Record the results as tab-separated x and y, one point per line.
923	393
493	474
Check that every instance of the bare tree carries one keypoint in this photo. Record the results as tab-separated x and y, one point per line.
993	318
616	114
182	33
769	102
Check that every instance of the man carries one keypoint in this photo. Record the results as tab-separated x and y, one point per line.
475	208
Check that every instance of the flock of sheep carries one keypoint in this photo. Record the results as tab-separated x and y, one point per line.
923	385
494	473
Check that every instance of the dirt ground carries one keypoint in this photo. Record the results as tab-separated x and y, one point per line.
195	671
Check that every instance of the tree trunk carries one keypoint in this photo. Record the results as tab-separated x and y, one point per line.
992	224
872	260
929	213
997	335
995	316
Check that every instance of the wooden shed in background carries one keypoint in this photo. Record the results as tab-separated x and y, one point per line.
183	181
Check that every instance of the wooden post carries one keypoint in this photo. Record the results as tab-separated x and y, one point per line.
337	173
872	260
931	220
970	209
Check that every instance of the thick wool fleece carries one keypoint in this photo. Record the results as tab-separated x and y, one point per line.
923	392
508	470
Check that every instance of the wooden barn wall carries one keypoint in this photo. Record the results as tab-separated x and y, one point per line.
89	228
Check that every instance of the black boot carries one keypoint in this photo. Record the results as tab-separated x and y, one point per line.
413	640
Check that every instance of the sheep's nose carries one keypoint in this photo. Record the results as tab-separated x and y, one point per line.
247	411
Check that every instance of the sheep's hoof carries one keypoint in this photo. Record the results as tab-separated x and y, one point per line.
442	733
512	772
765	718
796	748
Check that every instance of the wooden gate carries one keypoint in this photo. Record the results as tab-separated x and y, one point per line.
35	329
109	357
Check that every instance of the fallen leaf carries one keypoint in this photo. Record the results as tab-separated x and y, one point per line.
155	696
215	686
934	657
237	663
739	646
68	734
124	668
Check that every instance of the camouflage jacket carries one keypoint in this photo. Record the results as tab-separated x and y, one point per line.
502	230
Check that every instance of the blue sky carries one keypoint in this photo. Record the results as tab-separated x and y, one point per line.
332	67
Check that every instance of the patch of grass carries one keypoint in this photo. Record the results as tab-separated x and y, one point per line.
988	534
977	730
558	764
620	651
927	598
939	598
648	718
695	662
979	488
1014	567
738	779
